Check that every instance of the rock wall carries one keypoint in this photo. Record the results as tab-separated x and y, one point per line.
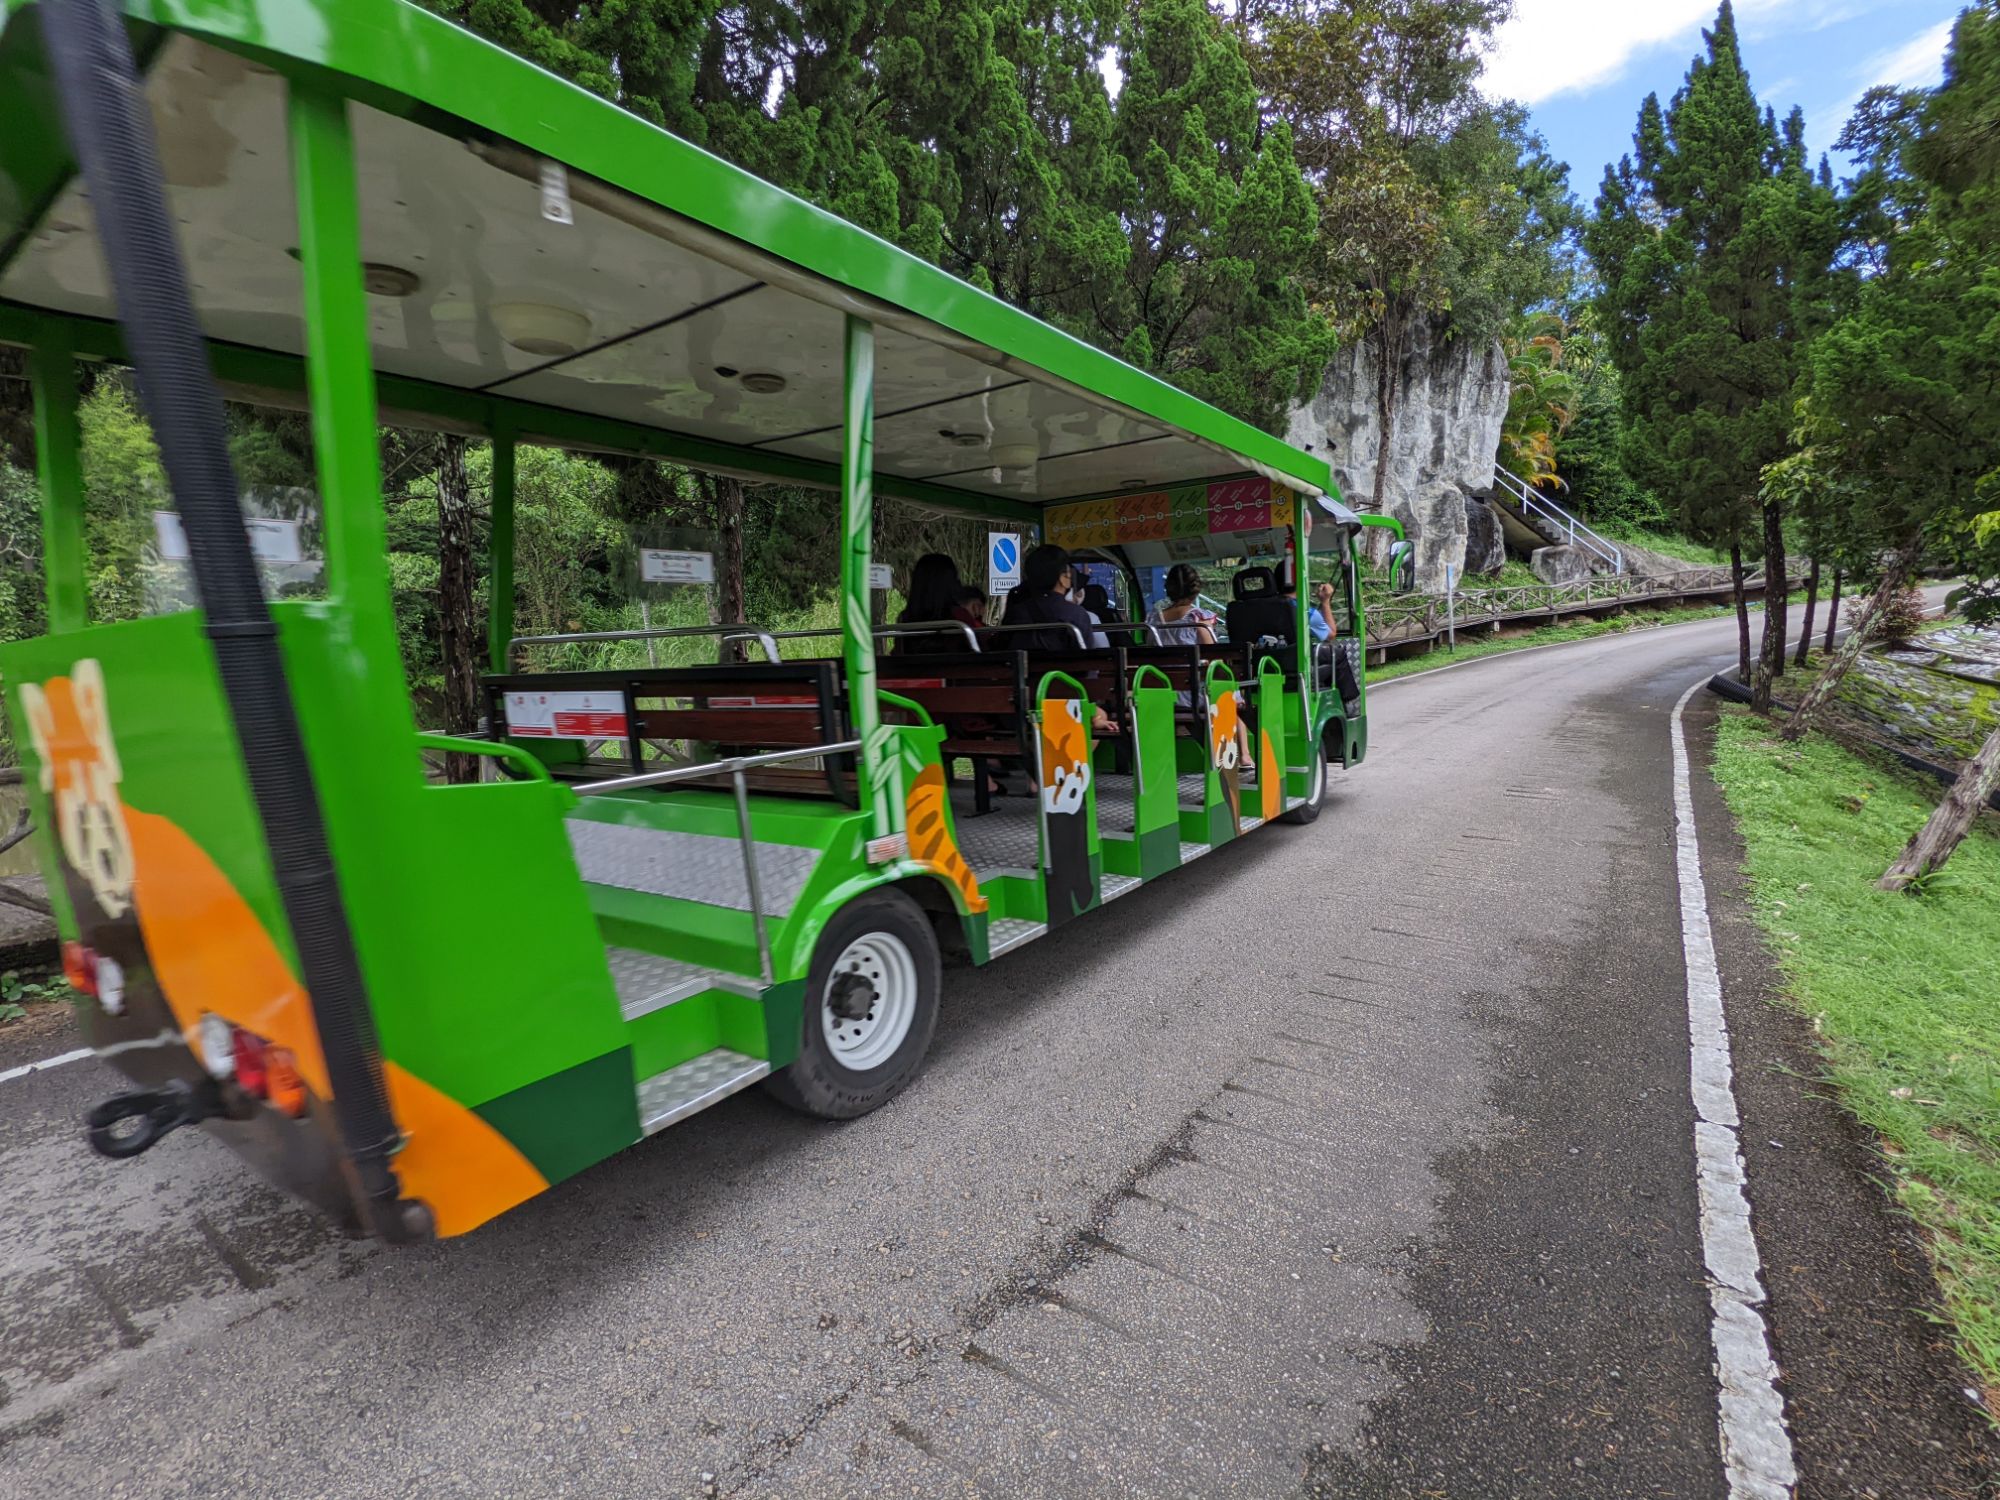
1451	401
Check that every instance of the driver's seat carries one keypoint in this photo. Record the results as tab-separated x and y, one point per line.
1258	609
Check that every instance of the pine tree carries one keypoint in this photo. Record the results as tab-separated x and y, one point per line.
1713	245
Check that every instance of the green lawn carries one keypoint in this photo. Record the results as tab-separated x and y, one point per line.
1672	543
1901	989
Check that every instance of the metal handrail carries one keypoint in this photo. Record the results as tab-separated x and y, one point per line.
915	627
734	767
1148	626
737	631
1579	534
1076	631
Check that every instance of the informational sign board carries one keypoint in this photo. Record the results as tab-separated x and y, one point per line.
878	575
1003	562
662	565
566	716
270	541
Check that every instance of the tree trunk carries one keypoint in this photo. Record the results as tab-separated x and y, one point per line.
1952	820
1389	338
1742	611
1837	662
459	636
726	496
1771	662
1812	599
1833	611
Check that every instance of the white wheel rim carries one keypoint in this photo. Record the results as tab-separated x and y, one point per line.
885	962
1318	787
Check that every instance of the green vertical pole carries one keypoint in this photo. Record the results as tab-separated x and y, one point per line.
500	564
378	728
59	467
857	494
340	374
1302	577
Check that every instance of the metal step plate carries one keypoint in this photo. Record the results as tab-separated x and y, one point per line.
694	1085
647	982
1115	886
1192	851
1010	932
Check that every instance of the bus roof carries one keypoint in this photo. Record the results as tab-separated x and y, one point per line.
534	248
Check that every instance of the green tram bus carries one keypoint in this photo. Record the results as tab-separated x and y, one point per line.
418	1004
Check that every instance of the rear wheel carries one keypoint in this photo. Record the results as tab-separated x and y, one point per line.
870	1009
1308	810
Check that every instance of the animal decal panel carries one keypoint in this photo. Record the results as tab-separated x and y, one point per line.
175	939
1270	777
1068	881
928	824
1222	724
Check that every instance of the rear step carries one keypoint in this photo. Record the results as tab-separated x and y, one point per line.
694	1085
647	982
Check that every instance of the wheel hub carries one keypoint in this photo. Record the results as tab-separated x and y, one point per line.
851	996
870	1001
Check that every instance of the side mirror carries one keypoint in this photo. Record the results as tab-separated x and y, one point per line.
1402	566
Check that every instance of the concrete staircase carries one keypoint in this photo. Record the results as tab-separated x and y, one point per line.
1533	521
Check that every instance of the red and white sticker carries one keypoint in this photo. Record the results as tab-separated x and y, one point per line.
566	716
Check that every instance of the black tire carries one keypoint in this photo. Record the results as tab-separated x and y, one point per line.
818	1082
1308	810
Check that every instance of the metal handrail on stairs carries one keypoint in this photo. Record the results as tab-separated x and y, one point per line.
1529	503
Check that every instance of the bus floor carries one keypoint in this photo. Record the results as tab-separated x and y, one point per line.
1007	840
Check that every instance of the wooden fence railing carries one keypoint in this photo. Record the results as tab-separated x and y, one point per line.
1396	619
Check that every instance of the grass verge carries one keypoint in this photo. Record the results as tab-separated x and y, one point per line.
1900	989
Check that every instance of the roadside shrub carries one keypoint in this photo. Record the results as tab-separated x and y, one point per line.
1901	617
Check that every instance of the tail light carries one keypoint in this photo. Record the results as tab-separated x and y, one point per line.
250	1052
259	1069
80	968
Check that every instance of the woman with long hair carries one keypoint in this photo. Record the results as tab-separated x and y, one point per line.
935	597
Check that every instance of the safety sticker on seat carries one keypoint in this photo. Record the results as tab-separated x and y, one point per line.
566	716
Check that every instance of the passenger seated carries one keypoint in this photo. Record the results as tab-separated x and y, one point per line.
935	598
1179	618
1181	621
1325	627
1097	601
1044	599
972	606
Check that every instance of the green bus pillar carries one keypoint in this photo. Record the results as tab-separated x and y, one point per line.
500	553
59	468
378	727
877	761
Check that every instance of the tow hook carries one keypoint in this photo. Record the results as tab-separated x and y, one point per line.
156	1111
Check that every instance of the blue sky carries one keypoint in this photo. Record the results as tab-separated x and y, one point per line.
1582	66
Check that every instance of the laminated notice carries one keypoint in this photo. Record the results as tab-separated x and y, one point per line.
566	716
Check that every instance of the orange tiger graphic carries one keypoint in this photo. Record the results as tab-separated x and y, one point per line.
929	829
1065	755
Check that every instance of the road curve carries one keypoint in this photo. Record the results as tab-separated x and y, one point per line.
1356	1159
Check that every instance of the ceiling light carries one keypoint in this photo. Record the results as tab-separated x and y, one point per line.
537	328
763	382
1016	455
963	439
388	281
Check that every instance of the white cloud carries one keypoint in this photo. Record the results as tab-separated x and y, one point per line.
1552	47
1918	63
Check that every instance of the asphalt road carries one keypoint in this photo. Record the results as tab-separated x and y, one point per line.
1356	1159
